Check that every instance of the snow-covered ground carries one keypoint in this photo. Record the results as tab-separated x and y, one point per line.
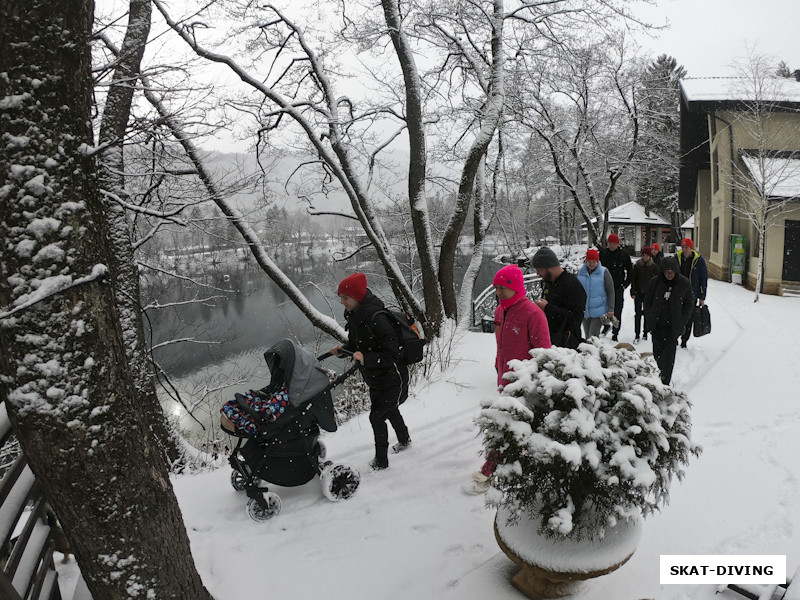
411	532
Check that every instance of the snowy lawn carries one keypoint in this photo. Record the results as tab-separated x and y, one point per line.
411	532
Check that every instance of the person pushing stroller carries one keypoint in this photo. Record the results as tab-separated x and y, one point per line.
374	344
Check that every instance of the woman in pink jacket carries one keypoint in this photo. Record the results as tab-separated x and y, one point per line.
519	326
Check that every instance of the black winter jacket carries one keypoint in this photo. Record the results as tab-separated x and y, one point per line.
642	274
566	301
618	262
680	302
377	340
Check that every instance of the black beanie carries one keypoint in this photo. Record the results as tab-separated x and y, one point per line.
544	259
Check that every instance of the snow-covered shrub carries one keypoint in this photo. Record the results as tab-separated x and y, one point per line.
584	438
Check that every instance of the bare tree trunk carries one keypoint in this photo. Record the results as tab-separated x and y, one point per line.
65	377
434	308
466	188
762	235
122	263
479	226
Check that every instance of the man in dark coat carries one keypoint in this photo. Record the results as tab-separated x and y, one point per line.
563	299
693	266
668	305
374	344
619	264
658	254
643	271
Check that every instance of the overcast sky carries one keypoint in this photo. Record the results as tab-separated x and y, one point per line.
772	26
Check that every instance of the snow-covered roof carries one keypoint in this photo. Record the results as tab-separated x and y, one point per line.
689	223
739	89
777	177
633	213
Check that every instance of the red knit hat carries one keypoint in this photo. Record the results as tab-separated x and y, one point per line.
647	250
656	248
354	286
687	242
613	238
511	277
592	254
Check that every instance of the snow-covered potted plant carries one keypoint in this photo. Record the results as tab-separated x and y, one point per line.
587	443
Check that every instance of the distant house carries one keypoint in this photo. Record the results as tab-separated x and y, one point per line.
687	228
636	227
723	167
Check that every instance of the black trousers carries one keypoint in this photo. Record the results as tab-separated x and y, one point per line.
638	306
619	301
664	346
385	401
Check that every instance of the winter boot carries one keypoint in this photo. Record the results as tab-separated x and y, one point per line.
481	485
400	446
636	340
381	460
377	464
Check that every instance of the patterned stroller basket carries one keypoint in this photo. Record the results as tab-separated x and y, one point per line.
281	445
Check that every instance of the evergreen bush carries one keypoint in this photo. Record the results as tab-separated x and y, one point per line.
585	438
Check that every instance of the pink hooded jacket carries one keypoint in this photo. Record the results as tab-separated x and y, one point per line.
519	325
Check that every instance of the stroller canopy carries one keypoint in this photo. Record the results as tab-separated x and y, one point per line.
301	371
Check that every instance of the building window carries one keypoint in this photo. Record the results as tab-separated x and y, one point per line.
754	241
716	235
715	167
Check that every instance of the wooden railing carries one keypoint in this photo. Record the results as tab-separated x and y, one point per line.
27	571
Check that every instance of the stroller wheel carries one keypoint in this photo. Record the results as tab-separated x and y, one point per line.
239	481
264	513
339	482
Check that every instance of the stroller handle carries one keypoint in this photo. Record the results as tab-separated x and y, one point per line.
342	354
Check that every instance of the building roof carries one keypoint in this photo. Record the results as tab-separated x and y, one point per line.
633	213
776	176
702	95
688	223
739	89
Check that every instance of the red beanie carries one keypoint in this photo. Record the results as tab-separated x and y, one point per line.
354	286
656	248
511	277
687	242
613	238
647	250
592	254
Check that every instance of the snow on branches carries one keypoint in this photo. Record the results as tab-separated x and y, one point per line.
585	438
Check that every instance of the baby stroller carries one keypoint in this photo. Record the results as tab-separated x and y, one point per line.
287	451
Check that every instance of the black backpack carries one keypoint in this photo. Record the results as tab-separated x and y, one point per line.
411	342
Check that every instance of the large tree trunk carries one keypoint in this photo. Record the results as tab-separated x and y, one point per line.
122	264
65	377
434	308
491	119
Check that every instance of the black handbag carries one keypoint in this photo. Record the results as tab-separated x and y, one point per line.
702	321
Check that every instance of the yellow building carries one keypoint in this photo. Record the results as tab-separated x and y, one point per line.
740	161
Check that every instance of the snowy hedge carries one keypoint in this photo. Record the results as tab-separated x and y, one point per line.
584	438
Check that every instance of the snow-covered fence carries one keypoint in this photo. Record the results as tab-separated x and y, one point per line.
27	571
484	303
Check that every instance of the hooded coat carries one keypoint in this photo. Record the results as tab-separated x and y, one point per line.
517	329
672	300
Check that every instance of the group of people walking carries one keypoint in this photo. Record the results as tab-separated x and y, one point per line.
664	290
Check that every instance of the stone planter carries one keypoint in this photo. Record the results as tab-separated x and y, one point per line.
556	568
